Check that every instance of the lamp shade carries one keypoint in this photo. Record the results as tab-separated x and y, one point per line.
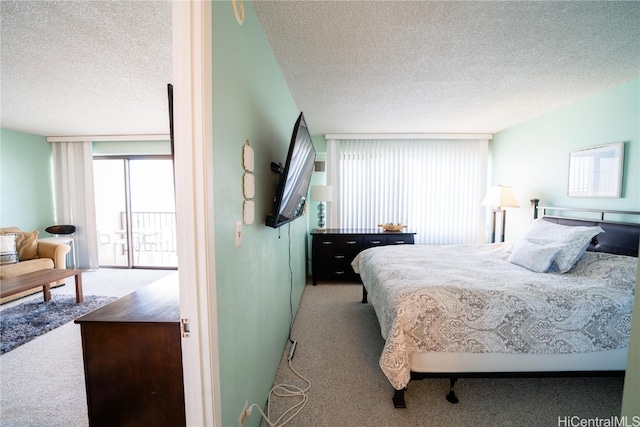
500	196
321	193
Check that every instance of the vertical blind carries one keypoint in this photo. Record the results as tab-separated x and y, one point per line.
435	187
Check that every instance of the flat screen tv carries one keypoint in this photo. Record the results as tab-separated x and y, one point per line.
293	184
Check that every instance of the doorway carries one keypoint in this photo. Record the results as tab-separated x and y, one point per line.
135	211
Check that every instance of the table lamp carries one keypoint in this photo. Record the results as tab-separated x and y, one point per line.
499	197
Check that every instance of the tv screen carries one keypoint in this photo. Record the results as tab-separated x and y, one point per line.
293	185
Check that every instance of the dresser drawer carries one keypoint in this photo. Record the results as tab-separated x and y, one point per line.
341	275
403	239
333	242
337	257
339	269
373	241
400	239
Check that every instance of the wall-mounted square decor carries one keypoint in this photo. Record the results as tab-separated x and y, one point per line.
247	157
248	212
249	186
596	171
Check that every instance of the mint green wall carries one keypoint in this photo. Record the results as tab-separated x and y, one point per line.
26	189
251	101
533	157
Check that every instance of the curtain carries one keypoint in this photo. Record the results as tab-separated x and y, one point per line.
435	187
74	198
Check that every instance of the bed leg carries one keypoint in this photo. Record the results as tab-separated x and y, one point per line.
398	399
364	295
451	397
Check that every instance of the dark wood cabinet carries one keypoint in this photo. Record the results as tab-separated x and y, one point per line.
333	250
133	359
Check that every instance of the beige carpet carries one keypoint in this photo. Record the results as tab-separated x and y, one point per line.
339	344
42	381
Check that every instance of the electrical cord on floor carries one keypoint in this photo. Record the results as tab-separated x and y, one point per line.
285	390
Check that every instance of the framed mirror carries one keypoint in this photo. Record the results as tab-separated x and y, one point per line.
596	171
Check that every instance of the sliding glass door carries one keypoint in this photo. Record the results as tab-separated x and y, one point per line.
135	207
153	213
111	199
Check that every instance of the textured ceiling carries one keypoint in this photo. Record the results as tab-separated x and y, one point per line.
101	67
446	66
85	67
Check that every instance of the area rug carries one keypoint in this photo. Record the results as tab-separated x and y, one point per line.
22	323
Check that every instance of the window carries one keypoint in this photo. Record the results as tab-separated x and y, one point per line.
435	187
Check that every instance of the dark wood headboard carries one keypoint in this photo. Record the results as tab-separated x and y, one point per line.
618	238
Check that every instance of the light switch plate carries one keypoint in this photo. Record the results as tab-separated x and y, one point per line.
238	232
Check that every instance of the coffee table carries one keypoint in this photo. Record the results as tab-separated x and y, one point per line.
44	278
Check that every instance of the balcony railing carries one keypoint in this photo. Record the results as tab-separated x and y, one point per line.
160	223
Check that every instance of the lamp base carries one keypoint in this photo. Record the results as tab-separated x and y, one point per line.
321	216
503	214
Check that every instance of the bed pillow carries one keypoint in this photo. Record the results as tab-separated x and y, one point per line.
8	251
536	257
574	240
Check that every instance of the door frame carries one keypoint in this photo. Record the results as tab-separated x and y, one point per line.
193	117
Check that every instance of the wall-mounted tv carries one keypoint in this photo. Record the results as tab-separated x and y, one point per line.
293	184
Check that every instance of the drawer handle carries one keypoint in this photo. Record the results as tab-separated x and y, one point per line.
375	242
399	242
339	257
351	242
339	272
327	243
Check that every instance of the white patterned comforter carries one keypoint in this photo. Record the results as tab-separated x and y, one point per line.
468	298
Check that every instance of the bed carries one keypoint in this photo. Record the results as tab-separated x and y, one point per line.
555	302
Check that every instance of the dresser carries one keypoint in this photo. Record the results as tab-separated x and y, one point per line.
133	359
332	250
